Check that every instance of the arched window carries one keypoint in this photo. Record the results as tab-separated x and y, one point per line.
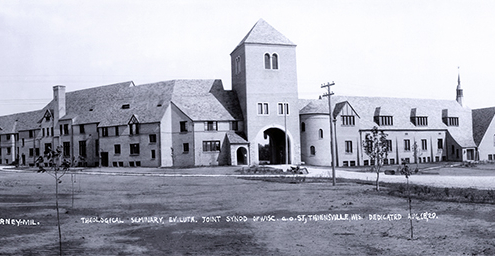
320	133
312	150
267	61
274	61
303	127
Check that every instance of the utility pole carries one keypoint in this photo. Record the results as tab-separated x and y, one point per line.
328	94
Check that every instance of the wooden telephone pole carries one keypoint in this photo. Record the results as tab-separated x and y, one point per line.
328	94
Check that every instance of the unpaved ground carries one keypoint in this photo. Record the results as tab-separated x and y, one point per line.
457	228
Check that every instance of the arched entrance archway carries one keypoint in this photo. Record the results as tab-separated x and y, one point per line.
272	149
241	156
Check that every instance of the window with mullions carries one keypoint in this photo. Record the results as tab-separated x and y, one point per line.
389	145
348	147
407	145
283	108
104	132
384	120
424	144
263	109
348	120
211	126
211	146
421	121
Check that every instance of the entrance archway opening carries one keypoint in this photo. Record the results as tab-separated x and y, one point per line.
241	156
272	149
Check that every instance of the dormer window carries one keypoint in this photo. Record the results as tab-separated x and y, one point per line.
449	120
126	106
420	121
384	120
453	121
133	126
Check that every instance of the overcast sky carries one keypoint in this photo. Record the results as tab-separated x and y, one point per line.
369	48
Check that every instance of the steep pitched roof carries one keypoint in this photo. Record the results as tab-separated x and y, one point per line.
263	33
203	100
481	121
235	138
400	109
20	121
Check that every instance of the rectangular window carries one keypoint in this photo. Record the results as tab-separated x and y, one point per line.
235	125
53	134
104	132
31	152
490	157
134	149
43	131
82	148
211	126
211	146
453	121
37	151
389	145
9	151
116	149
185	148
183	126
116	131
424	144
22	142
153	156
134	129
407	145
384	120
81	128
131	164
263	109
348	147
440	144
421	121
8	136
348	120
66	129
31	133
66	148
152	138
283	108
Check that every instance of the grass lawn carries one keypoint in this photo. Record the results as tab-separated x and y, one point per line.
218	218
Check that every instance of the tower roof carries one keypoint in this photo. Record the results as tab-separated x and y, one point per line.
264	33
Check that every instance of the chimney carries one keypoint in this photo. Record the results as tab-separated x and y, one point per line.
59	102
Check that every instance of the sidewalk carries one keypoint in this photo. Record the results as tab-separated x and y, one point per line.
479	182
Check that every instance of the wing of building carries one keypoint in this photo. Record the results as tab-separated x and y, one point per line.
261	120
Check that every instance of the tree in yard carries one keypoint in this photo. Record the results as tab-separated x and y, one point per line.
58	167
406	171
376	147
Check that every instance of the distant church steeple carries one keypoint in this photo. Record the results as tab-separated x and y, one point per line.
459	94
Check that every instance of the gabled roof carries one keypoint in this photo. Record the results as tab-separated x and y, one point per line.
482	119
400	109
20	121
263	33
235	138
203	100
